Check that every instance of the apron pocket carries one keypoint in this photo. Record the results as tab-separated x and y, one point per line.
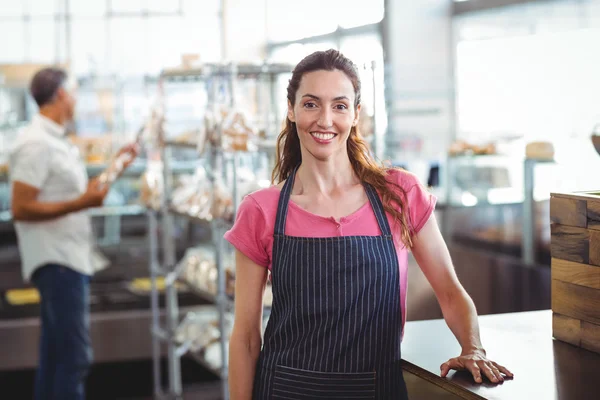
291	383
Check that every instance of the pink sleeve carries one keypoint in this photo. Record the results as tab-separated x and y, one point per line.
420	202
246	233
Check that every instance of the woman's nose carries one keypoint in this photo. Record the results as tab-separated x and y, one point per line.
325	118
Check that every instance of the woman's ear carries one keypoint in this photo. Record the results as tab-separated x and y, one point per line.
356	115
290	113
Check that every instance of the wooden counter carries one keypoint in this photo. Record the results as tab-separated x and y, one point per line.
544	368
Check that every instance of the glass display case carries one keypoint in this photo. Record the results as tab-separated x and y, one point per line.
499	203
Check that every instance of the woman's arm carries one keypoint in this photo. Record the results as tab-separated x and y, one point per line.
458	309
246	338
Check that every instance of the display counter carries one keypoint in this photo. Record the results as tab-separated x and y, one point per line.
543	367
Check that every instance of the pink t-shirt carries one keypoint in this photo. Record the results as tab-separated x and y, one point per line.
252	233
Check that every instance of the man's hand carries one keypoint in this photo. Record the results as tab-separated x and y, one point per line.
132	150
94	195
476	362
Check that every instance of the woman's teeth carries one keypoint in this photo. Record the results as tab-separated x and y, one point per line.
323	136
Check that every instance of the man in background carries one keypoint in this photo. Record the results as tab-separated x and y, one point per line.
50	196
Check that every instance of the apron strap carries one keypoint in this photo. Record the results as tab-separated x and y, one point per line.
378	209
284	199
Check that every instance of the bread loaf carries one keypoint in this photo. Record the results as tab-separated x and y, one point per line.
539	151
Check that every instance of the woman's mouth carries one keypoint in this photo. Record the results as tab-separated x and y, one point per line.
323	137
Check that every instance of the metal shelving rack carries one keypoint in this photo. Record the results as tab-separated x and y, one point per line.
217	161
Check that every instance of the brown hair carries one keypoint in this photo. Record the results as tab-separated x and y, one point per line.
365	167
45	84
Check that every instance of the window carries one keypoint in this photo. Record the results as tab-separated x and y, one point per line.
88	46
127	6
88	8
13	50
165	39
46	8
11	8
163	6
293	53
543	87
290	20
128	46
42	34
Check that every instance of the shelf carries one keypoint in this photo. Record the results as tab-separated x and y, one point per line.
218	222
109	211
138	168
200	360
116	211
204	294
181	145
211	70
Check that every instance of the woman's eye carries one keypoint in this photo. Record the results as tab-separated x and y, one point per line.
309	105
341	107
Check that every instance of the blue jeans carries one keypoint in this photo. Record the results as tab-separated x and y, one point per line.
65	347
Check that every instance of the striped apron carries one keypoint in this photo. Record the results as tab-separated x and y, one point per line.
335	327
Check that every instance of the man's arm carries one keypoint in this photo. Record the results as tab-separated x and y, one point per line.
27	207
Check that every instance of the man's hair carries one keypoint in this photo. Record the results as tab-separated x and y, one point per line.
45	84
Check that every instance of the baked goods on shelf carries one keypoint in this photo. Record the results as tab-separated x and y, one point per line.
539	151
238	134
199	271
200	331
461	147
94	150
192	138
152	185
195	197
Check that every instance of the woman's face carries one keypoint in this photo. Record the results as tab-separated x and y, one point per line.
324	113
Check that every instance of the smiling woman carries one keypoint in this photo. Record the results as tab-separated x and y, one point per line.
324	97
335	232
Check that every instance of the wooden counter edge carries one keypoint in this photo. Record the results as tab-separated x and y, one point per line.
577	195
437	380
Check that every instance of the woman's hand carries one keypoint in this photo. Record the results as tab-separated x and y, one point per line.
477	363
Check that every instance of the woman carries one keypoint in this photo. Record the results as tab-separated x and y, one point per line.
335	234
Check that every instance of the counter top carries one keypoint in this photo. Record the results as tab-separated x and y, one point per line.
544	368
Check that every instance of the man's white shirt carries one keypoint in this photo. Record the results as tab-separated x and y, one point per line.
42	157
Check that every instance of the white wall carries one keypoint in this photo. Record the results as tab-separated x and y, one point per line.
245	30
420	99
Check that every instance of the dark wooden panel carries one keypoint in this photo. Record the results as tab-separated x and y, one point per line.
576	273
593	214
594	247
576	301
571	212
569	243
590	336
566	329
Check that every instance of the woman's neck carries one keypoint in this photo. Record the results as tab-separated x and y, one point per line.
325	176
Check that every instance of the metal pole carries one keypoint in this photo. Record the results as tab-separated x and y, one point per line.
175	384
223	14
375	141
154	303
222	303
68	54
528	239
235	162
